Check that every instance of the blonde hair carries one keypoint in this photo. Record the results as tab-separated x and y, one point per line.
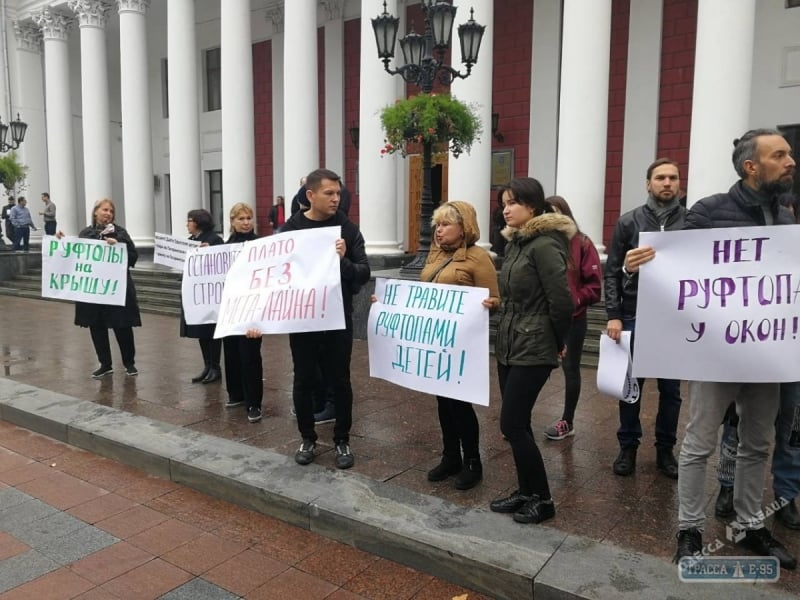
447	214
100	203
240	207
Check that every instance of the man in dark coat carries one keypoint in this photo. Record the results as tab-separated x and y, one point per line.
6	216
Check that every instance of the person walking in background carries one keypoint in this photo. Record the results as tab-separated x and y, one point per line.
277	214
300	201
99	318
49	215
200	225
244	370
22	222
455	259
585	280
6	216
534	321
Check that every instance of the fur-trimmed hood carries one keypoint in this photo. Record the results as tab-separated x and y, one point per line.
544	223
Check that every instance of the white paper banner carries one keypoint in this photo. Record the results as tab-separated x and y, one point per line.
432	338
720	305
84	270
285	283
204	274
171	251
614	376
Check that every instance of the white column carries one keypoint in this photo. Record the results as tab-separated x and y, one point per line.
137	143
470	175
642	94
92	17
281	186
583	114
184	124
238	121
61	160
377	176
545	74
334	87
300	110
721	93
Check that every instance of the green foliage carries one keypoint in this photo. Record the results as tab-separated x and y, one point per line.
12	172
437	118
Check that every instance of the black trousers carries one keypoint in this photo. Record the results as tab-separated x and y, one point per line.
460	429
102	346
244	371
212	350
519	387
328	351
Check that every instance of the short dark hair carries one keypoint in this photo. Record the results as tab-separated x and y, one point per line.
528	191
21	199
660	162
746	148
314	179
46	195
202	218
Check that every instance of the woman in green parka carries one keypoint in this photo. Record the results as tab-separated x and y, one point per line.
535	317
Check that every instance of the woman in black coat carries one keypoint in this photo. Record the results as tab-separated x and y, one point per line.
99	318
200	225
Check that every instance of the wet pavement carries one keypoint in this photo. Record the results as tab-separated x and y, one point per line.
395	435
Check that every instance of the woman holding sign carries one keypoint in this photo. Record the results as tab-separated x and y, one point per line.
534	321
99	318
200	225
456	260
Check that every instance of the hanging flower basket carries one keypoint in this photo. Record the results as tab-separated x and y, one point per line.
440	119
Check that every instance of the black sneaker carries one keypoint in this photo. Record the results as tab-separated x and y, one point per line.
254	414
535	510
510	504
326	415
102	372
761	542
231	403
344	457
305	454
131	371
625	464
690	543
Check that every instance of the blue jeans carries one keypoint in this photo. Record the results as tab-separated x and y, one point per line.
669	409
786	457
23	236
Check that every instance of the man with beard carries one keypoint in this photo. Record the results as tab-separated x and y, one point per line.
763	160
661	212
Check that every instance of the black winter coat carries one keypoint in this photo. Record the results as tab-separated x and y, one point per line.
733	210
621	290
206	330
107	315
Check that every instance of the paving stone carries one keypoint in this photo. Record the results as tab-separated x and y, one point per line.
77	544
24	567
199	588
25	512
40	532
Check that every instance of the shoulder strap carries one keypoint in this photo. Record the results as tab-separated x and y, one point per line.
439	269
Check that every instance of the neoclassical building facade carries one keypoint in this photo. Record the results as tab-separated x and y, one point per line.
169	105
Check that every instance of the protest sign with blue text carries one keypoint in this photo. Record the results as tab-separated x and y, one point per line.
431	337
204	272
719	305
285	283
171	251
84	270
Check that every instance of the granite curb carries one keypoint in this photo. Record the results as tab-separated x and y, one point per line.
471	547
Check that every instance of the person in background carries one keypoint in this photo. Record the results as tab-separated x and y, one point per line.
277	214
455	259
300	202
244	370
22	222
49	214
496	238
535	318
585	280
6	216
200	225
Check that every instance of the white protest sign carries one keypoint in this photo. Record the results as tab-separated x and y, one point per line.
614	369
171	251
720	305
84	270
285	283
204	272
431	337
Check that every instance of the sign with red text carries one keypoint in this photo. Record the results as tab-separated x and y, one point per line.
720	305
431	337
204	272
84	270
285	283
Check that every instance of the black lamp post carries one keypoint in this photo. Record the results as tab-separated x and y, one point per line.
423	56
18	129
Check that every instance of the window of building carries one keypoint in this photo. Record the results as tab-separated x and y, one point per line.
164	89
213	80
215	196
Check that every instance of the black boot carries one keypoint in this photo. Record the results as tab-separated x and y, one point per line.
470	475
626	462
202	375
214	374
450	465
723	507
666	463
690	543
788	515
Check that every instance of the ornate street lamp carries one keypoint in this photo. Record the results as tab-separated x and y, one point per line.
18	129
424	56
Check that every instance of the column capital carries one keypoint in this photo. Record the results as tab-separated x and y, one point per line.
275	14
135	6
54	25
333	8
90	13
28	35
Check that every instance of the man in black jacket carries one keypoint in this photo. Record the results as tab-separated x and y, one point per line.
763	160
661	212
328	351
